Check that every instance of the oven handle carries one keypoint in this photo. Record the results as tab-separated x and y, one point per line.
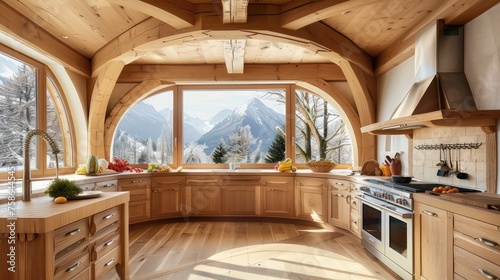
405	215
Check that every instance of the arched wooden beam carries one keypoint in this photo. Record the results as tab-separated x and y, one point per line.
128	100
101	91
153	34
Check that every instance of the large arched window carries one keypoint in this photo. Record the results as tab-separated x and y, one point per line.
31	99
254	125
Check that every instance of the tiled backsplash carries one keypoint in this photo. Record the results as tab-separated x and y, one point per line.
471	161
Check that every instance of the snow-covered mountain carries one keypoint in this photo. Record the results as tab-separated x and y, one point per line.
143	121
261	119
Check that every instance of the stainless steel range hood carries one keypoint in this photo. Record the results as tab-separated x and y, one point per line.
439	72
441	95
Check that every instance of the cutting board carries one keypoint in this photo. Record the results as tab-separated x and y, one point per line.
485	200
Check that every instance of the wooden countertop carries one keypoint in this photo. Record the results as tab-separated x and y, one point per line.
41	215
487	215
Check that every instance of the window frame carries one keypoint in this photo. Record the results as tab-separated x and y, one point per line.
43	73
178	105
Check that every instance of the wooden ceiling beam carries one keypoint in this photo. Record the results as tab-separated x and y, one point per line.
234	55
179	14
295	17
135	73
22	29
458	12
234	11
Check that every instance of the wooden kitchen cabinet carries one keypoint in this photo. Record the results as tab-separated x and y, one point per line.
276	196
203	195
433	233
476	249
355	209
311	199
339	203
80	239
239	195
140	192
167	195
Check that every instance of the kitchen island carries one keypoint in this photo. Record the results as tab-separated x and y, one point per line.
80	239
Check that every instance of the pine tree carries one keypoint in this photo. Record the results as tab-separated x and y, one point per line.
219	154
276	151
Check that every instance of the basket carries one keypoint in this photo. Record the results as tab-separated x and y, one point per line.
321	166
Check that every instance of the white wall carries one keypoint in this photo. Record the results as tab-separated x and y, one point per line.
482	68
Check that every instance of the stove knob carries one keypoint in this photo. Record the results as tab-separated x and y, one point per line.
399	201
390	197
377	194
404	202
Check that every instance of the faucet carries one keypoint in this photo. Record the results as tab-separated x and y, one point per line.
27	172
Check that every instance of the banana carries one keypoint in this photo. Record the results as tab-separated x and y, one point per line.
285	166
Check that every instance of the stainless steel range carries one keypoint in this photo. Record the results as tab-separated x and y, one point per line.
387	221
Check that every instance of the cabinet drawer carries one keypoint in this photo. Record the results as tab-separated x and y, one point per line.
471	266
105	244
203	181
485	237
482	247
339	185
107	261
104	219
106	186
137	194
72	251
73	267
70	234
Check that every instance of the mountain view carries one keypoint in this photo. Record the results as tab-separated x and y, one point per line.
143	122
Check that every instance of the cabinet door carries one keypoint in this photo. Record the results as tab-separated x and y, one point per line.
339	203
139	205
239	195
433	243
276	196
203	195
311	199
166	197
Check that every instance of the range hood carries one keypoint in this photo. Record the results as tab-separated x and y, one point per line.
441	96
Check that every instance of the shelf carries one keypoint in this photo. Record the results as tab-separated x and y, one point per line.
486	119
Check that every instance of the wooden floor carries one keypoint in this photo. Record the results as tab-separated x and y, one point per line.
247	250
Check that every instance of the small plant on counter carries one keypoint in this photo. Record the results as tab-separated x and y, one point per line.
63	188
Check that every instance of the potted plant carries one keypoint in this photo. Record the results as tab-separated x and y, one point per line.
63	188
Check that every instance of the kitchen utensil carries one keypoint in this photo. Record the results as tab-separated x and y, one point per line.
443	171
440	163
396	165
458	173
451	163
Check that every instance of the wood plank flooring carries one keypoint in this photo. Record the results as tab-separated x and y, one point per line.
236	250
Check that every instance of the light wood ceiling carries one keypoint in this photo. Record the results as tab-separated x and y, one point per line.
384	29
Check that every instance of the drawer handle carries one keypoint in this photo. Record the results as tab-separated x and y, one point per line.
107	217
108	185
429	213
136	181
110	262
487	242
340	184
73	267
487	275
73	232
109	242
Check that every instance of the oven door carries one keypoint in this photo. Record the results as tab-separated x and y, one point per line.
398	231
372	222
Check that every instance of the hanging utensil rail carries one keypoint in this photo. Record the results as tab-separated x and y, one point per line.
449	146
